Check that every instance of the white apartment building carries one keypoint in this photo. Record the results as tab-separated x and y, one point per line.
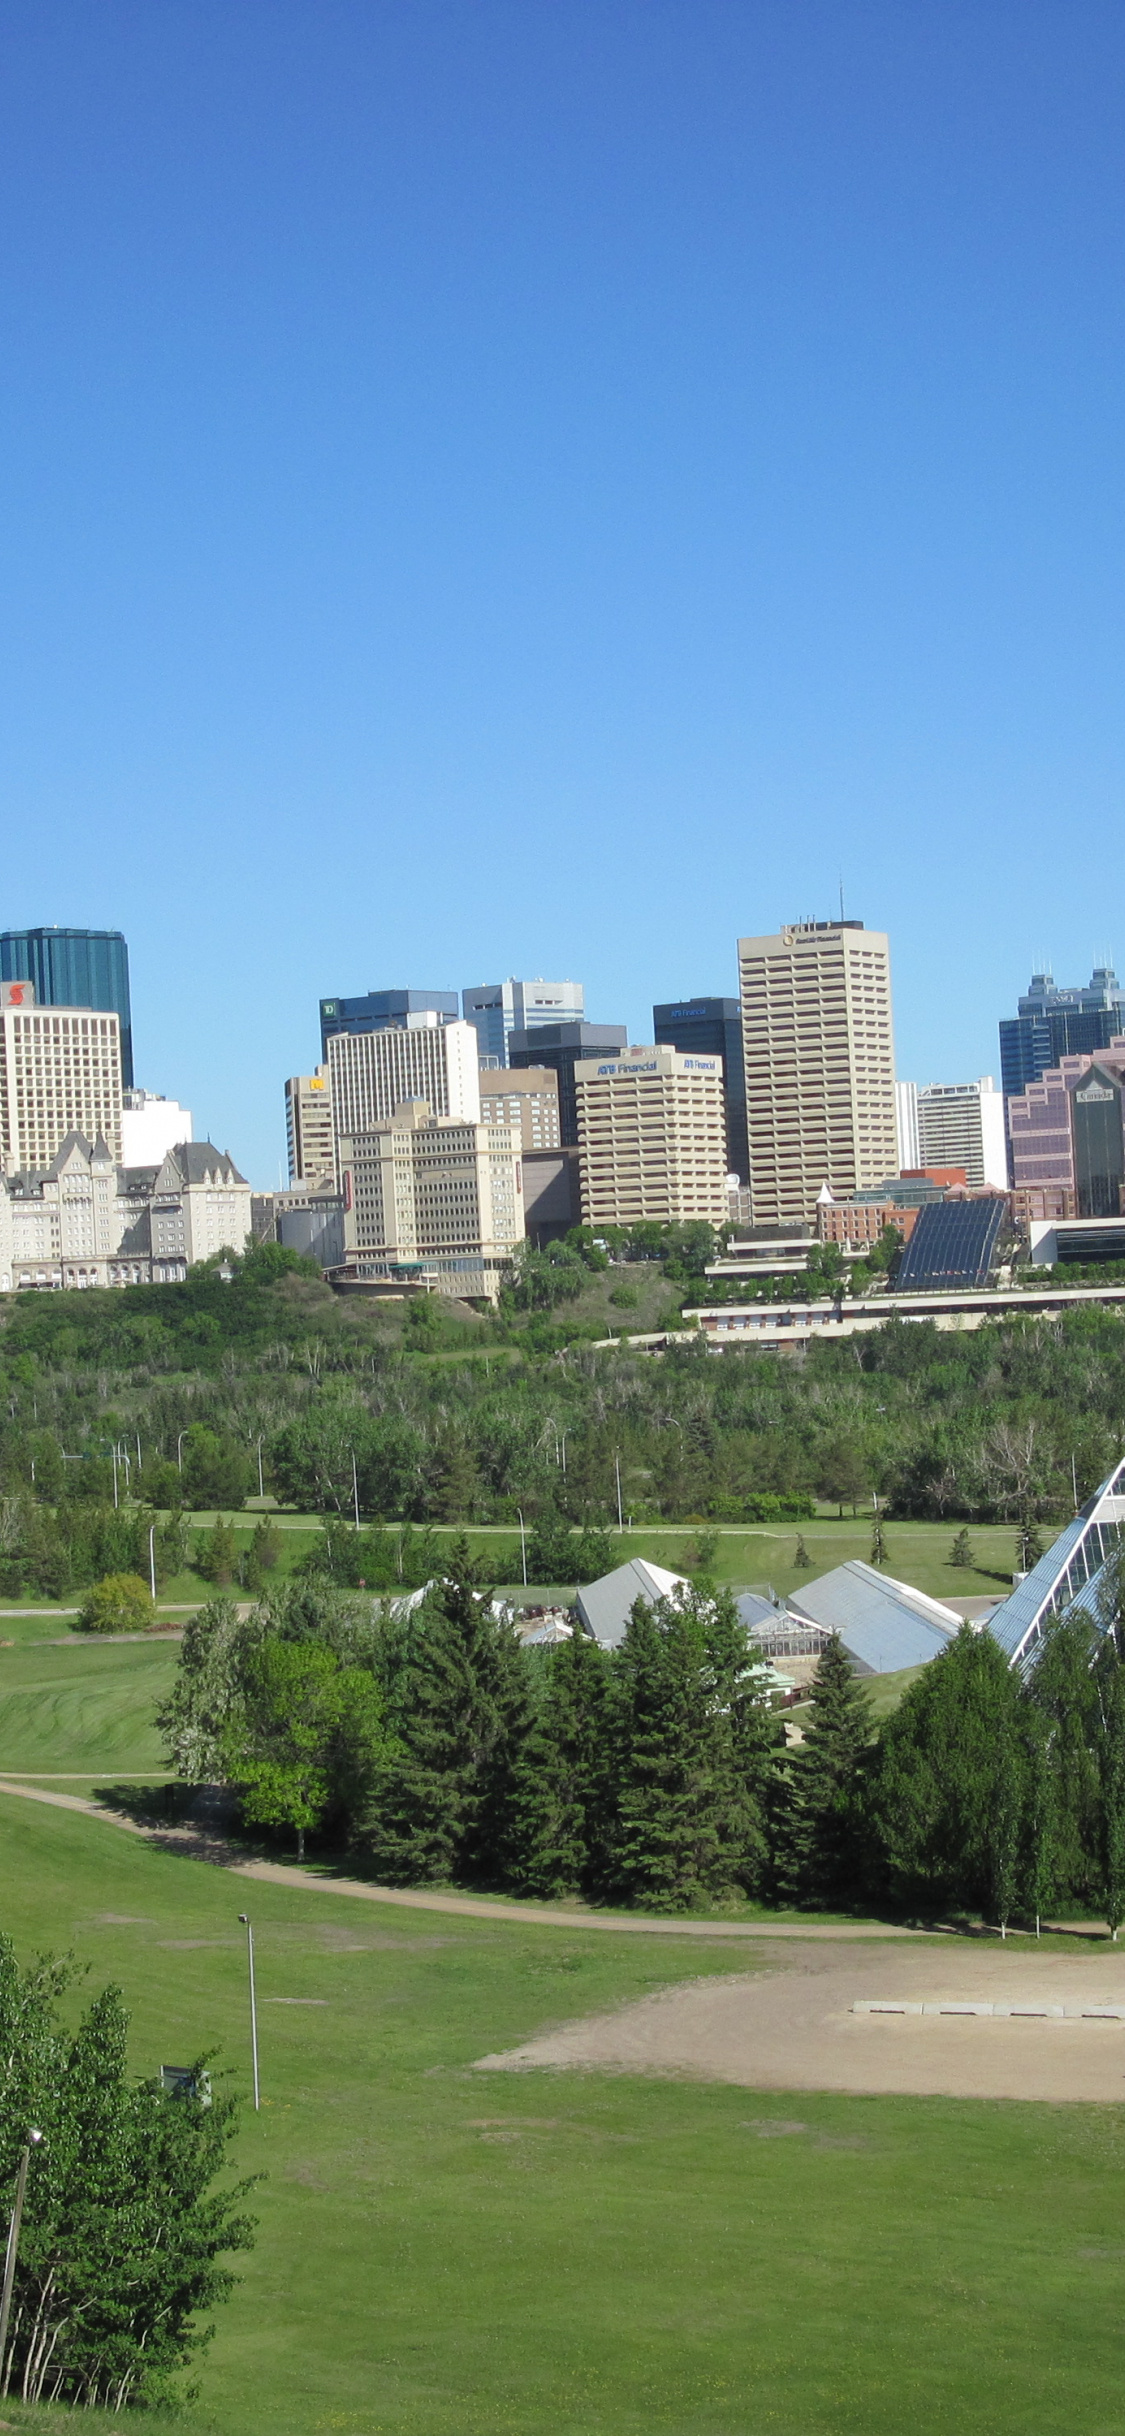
60	1073
954	1125
524	1096
818	1050
432	1201
370	1074
651	1138
151	1126
87	1221
309	1131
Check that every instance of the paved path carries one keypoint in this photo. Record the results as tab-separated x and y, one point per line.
277	1873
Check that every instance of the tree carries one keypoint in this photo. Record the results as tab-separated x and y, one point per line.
685	1829
122	2233
878	1541
121	1602
215	1471
818	1857
961	1553
938	1793
440	1803
217	1553
561	1791
1029	1547
801	1558
843	1474
308	1732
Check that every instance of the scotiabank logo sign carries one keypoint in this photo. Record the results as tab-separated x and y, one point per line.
17	994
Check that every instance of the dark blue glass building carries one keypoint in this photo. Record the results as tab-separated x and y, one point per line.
382	1010
712	1027
74	968
1056	1023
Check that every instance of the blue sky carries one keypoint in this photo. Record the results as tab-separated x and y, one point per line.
546	486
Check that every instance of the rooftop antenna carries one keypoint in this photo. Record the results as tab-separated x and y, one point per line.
841	880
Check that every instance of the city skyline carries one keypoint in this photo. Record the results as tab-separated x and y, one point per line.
589	478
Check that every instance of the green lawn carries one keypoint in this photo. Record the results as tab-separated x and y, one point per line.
86	1705
447	2254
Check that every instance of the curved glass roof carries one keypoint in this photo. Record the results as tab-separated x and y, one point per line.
1064	1573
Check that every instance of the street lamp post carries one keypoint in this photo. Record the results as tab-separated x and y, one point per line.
179	1450
617	1470
355	1490
523	1546
114	1454
261	1487
245	1919
152	1560
32	2141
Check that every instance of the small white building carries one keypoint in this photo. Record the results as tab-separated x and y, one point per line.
151	1126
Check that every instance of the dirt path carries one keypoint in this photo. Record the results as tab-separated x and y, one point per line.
791	2026
213	1848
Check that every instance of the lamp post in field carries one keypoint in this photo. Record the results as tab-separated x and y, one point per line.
245	1919
32	2141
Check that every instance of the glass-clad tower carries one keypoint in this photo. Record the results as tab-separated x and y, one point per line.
75	968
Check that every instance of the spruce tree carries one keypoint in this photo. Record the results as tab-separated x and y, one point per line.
817	1823
685	1826
936	1798
961	1552
561	1786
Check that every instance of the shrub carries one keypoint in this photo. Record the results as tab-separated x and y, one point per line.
120	1602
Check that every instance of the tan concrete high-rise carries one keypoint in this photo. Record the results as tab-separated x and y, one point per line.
432	1201
309	1129
60	1073
652	1138
818	1048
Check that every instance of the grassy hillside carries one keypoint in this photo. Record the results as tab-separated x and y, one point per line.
86	1706
446	2255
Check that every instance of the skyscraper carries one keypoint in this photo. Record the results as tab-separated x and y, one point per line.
652	1130
1055	1023
371	1074
499	1008
954	1125
712	1027
380	1010
560	1046
60	1073
818	1054
75	968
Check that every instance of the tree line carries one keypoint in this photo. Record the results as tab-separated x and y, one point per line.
434	1744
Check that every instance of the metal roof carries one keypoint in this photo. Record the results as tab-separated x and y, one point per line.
884	1624
604	1606
755	1610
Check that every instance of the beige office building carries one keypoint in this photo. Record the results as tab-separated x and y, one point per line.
60	1073
818	1050
432	1201
370	1074
309	1131
651	1138
527	1097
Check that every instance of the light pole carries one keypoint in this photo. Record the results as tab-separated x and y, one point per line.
32	2141
355	1490
245	1919
114	1454
152	1560
179	1449
261	1487
523	1546
617	1470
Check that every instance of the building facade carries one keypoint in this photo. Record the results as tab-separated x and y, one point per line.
1054	1023
60	1073
496	1009
75	968
818	1056
370	1074
712	1027
310	1137
652	1138
562	1046
525	1096
1067	1144
87	1221
432	1202
151	1126
954	1125
379	1008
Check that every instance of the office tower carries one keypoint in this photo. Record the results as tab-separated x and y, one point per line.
1056	1023
954	1125
381	1009
60	1073
560	1046
712	1027
433	1202
1067	1144
499	1008
75	968
525	1096
652	1138
309	1134
371	1073
151	1126
818	1056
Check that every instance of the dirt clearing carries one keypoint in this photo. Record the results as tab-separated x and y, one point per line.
792	2027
